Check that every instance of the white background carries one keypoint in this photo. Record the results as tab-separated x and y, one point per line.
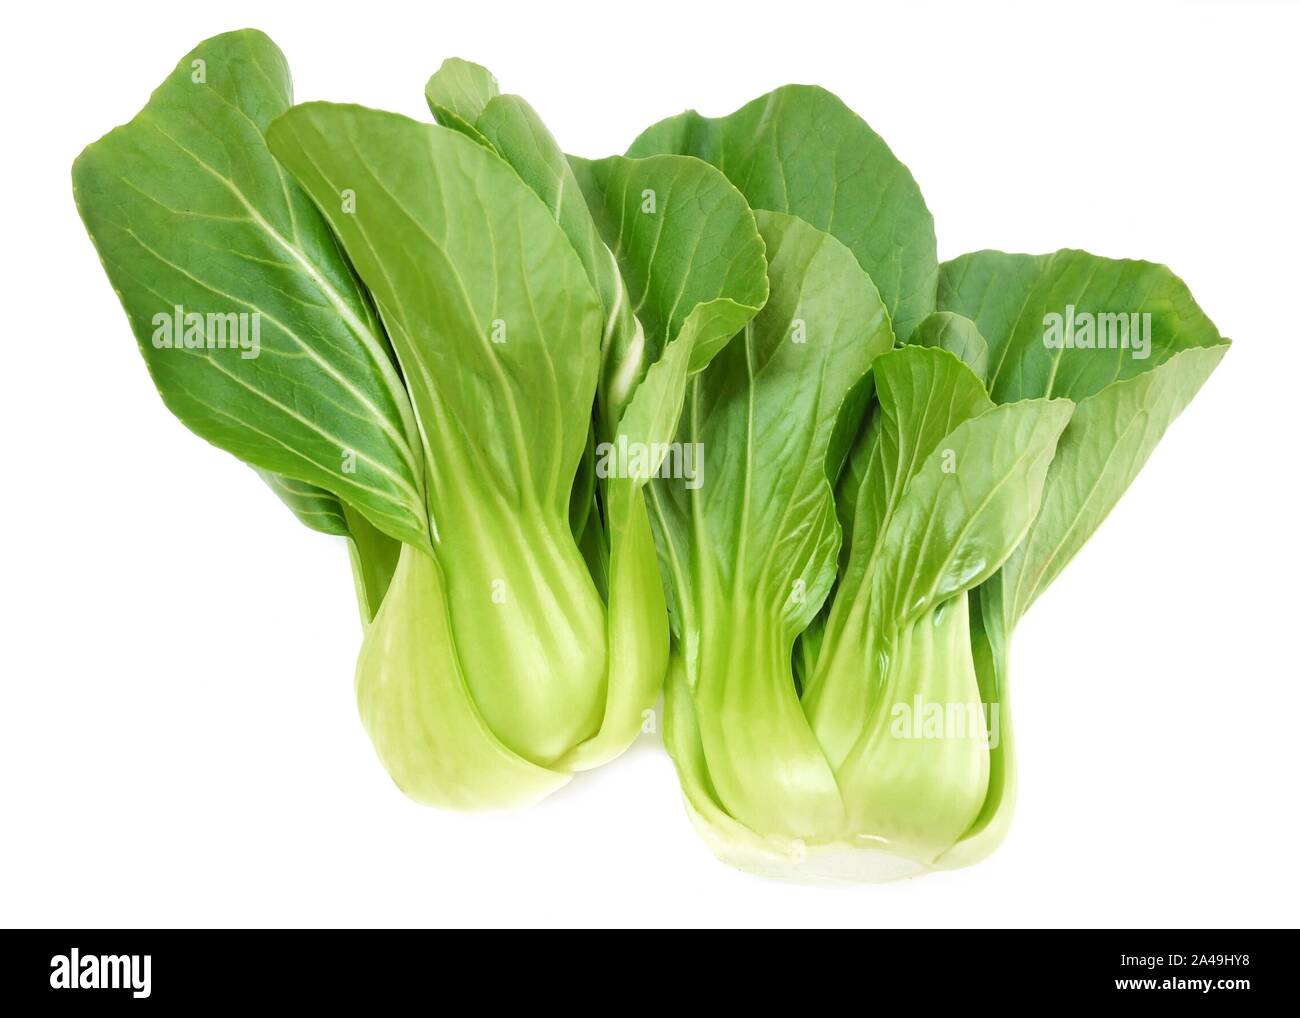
178	739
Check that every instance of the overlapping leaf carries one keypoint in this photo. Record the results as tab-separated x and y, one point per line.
751	554
189	211
801	151
497	332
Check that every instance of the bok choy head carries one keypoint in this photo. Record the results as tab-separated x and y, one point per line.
440	332
837	697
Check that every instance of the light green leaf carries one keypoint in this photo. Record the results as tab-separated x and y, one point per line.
672	250
751	552
912	794
967	507
668	244
725	835
1127	393
497	332
188	210
636	628
457	93
963	513
315	507
922	395
1110	437
951	488
801	151
956	334
1011	297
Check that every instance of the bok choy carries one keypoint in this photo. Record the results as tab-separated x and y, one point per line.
837	698
434	323
710	414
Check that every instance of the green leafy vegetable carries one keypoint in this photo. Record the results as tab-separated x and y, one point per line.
1126	399
868	734
433	330
711	409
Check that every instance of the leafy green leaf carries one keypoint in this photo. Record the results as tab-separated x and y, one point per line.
1128	390
497	332
315	507
801	151
1109	439
950	489
670	247
921	398
673	252
957	335
1010	297
457	93
752	552
908	646
192	216
1127	394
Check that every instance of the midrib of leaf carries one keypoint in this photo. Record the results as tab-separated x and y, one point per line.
1015	327
695	495
807	461
684	607
620	292
633	356
654	250
450	461
1059	353
516	423
284	187
747	489
559	195
557	414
